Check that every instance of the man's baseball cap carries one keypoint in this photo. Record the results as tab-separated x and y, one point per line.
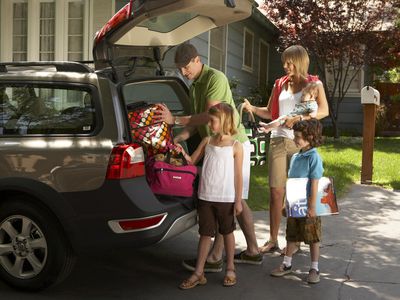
184	54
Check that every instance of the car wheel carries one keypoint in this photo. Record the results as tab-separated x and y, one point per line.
34	252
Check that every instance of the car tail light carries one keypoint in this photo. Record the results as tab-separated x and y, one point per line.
129	225
122	15
126	161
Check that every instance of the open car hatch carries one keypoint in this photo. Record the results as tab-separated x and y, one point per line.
144	25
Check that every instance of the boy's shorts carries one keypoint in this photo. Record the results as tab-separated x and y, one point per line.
213	213
280	152
307	230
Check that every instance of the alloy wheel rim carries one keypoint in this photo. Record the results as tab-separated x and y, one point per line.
23	247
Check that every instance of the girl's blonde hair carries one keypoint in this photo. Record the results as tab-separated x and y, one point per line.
298	56
224	112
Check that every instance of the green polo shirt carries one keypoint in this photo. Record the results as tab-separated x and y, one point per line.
213	85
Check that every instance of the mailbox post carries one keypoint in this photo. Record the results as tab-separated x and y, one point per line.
370	98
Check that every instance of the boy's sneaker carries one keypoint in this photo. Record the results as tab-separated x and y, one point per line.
282	270
244	258
209	267
313	276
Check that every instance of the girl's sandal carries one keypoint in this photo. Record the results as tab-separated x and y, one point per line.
189	284
230	280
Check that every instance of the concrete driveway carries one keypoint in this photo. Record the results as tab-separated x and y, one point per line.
359	260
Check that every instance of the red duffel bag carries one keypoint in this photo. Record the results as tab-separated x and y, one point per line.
171	176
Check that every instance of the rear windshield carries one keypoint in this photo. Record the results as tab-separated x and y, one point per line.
168	22
34	109
151	92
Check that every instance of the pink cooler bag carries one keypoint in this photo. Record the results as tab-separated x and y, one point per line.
168	179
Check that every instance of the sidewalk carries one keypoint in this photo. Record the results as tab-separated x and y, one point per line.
359	253
359	260
359	256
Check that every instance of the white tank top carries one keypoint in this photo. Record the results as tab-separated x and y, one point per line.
217	180
287	102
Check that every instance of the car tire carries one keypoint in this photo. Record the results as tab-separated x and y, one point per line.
34	251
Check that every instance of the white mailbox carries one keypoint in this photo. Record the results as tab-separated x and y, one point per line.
369	95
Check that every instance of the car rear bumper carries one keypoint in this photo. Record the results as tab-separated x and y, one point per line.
98	213
181	224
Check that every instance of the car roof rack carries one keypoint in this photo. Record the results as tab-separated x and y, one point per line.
61	66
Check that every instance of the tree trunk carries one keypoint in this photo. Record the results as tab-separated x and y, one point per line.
336	134
335	127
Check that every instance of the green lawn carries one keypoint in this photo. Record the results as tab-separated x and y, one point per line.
342	160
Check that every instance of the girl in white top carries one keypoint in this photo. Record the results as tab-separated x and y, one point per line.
220	191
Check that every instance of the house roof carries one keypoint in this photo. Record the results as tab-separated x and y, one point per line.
262	20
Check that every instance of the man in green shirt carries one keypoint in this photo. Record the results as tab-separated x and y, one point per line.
210	87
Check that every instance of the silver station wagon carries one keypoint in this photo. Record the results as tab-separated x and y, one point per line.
71	178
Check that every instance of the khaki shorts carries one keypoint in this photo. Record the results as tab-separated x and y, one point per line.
213	213
279	155
307	230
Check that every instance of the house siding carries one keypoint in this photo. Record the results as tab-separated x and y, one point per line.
100	11
351	115
103	10
234	61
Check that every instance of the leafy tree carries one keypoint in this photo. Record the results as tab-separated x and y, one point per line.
342	37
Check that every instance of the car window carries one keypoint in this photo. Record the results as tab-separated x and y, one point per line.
153	92
170	92
168	22
33	109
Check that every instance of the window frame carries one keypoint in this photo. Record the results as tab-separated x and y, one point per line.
27	37
262	41
98	121
41	34
224	50
85	29
248	68
33	43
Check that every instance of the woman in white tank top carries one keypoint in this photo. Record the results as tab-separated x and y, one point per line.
284	96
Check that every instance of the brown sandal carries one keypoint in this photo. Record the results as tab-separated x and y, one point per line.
189	284
269	247
229	280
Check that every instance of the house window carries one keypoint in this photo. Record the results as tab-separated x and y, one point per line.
263	66
20	31
75	30
217	52
248	46
47	30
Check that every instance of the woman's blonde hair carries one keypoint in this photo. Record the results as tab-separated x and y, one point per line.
298	56
224	112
